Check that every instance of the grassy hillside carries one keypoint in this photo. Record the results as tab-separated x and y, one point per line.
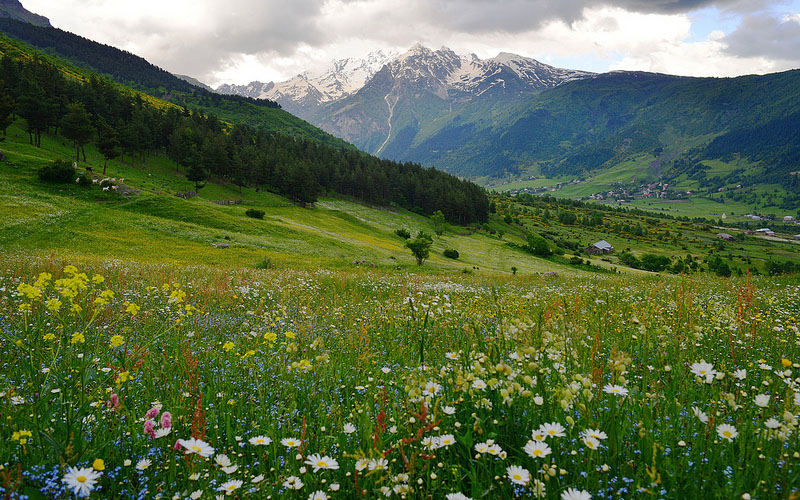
150	224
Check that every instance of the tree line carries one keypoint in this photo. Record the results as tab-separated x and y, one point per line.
121	122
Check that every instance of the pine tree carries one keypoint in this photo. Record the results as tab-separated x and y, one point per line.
107	143
77	126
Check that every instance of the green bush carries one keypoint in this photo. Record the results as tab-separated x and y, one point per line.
537	245
58	172
451	253
403	233
84	180
256	214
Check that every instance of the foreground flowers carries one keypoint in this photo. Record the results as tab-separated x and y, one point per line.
81	481
518	475
197	446
319	462
573	494
727	431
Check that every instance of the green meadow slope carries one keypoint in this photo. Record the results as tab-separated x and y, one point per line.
148	223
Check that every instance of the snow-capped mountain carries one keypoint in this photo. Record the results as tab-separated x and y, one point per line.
472	75
307	91
386	103
422	90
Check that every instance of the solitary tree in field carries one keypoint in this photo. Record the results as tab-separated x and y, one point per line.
437	219
420	247
77	126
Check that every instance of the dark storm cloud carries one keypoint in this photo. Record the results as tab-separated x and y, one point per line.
523	15
762	35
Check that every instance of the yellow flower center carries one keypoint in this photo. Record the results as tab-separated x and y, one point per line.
81	479
727	433
321	463
196	449
231	487
537	452
517	477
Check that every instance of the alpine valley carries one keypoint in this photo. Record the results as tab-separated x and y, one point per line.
515	123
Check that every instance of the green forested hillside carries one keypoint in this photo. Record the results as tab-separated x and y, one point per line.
582	125
135	72
52	100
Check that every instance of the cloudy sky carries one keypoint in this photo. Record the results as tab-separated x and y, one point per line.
238	41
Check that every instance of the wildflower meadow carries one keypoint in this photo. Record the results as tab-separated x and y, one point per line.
132	381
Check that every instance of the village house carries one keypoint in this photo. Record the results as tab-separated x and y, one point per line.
600	247
726	237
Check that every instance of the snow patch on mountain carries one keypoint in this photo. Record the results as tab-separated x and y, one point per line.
342	78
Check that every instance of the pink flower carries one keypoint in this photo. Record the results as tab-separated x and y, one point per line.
166	420
114	400
149	428
178	445
151	413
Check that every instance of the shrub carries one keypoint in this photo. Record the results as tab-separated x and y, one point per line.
537	245
84	180
575	260
265	263
420	247
254	213
451	253
58	172
403	233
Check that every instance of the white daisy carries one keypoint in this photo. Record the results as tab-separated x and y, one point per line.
321	462
290	442
260	440
318	495
197	446
518	475
293	483
537	449
727	431
573	494
230	486
81	481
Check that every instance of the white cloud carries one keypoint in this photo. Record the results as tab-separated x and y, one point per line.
237	41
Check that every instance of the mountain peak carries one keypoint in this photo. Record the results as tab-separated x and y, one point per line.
13	9
417	50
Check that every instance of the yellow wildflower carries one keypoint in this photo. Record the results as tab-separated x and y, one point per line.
98	463
97	279
289	334
786	363
49	337
77	338
29	291
132	309
117	340
21	436
227	346
123	377
53	304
